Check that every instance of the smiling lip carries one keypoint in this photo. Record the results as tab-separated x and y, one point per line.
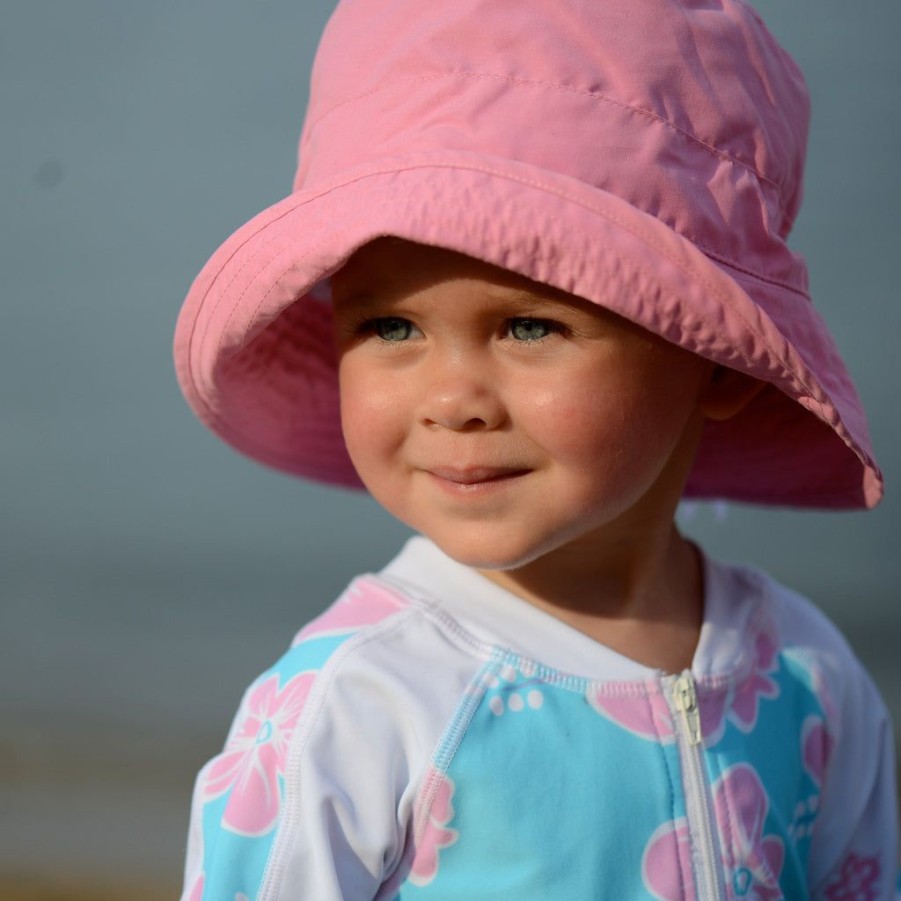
476	476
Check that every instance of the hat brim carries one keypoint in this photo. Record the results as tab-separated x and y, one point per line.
254	347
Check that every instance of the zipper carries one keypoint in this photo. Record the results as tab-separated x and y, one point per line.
704	846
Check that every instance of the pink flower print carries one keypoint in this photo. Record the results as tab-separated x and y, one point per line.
816	747
432	832
857	881
713	704
196	893
363	604
667	858
820	686
254	756
752	862
643	712
647	714
743	710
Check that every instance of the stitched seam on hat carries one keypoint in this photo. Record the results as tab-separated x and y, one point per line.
744	270
795	379
712	148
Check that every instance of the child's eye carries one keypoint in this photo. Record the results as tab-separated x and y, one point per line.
392	328
530	329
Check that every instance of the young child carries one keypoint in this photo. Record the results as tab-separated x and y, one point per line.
536	256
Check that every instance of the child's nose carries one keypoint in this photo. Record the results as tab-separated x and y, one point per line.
461	396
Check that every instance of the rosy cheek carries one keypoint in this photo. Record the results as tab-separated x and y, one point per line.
357	417
371	417
575	421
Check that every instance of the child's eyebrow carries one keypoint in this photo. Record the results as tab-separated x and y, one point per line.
541	303
533	301
353	299
511	300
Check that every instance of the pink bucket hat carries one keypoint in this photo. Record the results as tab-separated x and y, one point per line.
646	155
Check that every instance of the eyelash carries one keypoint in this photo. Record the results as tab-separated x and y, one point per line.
374	327
551	328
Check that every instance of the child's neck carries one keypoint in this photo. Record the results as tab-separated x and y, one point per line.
645	601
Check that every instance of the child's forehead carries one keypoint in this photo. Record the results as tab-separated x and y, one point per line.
394	265
391	271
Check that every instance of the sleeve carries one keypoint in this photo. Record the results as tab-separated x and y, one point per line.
309	797
314	796
854	854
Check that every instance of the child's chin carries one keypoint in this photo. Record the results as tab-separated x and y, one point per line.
494	558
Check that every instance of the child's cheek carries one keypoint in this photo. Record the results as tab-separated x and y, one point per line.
372	416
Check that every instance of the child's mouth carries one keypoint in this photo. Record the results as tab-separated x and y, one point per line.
473	478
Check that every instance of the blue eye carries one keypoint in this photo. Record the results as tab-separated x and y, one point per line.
530	329
392	328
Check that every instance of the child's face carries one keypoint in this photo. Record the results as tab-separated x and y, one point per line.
502	418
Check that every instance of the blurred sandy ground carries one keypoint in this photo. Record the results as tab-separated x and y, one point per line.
35	889
79	825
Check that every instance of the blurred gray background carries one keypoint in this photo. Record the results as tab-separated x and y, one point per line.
147	572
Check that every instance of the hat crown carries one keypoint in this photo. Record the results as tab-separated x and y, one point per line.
603	91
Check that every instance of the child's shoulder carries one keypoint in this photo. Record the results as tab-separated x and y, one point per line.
345	712
372	617
371	647
803	635
800	622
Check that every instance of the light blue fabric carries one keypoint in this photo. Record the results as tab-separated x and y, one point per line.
552	799
235	863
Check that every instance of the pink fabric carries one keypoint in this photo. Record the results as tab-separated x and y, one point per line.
651	720
433	834
667	865
634	156
363	604
719	702
752	861
197	890
816	745
254	757
859	880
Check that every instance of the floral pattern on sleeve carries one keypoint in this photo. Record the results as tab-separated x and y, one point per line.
816	748
759	684
433	834
857	880
196	893
255	754
241	792
363	604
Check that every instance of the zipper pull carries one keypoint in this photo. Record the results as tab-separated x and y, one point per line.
686	701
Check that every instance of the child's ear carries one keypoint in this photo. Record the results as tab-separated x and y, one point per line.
727	393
